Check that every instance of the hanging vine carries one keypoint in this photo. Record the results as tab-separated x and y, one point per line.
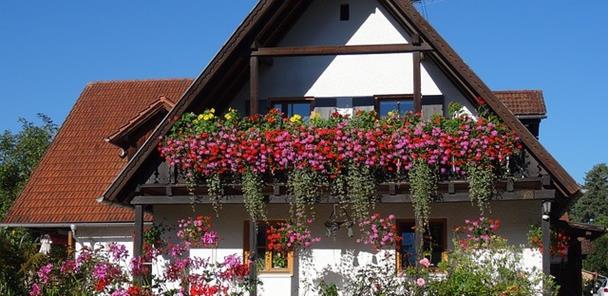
361	190
423	184
253	195
481	185
215	190
303	185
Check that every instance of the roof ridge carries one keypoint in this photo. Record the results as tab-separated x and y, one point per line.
93	82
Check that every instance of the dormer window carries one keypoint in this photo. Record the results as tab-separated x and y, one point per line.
398	103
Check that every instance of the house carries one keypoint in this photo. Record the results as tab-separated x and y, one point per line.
300	56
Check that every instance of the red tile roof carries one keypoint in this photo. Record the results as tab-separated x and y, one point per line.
523	102
80	164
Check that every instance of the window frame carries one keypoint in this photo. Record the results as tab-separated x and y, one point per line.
398	97
268	269
285	101
444	245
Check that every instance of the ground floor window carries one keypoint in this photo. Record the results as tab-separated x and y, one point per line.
435	242
268	261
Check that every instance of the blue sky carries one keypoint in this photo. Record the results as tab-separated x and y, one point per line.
49	50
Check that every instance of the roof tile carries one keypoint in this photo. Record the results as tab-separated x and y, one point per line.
79	165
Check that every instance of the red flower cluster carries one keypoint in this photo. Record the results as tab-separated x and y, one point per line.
273	144
285	237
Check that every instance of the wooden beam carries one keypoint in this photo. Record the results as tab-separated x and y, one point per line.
338	50
138	240
417	59
546	238
253	84
253	254
387	198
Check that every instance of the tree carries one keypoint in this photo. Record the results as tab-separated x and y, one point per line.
19	155
592	207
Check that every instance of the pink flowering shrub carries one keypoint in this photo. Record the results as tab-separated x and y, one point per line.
478	233
197	231
379	232
109	271
285	237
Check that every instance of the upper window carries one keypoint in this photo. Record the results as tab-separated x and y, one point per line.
270	262
344	12
400	104
293	106
435	243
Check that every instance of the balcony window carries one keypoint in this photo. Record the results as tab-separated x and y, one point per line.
400	104
293	106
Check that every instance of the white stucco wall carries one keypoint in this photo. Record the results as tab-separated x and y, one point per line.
334	258
350	75
94	237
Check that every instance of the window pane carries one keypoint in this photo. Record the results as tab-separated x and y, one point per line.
303	109
434	242
406	106
408	249
387	106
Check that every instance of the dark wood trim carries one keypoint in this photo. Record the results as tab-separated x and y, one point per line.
379	98
338	50
253	85
417	59
384	198
138	240
287	100
546	229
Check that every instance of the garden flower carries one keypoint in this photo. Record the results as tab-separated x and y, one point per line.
420	282
44	272
295	118
425	262
35	290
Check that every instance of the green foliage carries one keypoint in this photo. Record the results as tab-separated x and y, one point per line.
423	185
253	195
361	190
303	186
326	289
495	270
17	252
593	205
215	189
481	185
19	155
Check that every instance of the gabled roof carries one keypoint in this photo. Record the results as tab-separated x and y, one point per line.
523	103
120	137
79	165
274	16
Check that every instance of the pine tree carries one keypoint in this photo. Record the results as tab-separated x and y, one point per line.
592	207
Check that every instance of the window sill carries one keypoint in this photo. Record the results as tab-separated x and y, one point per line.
275	274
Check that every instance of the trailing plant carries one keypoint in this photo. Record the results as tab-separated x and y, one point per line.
303	187
350	154
215	190
423	185
481	185
361	190
253	195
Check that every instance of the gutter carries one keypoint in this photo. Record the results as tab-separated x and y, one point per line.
69	225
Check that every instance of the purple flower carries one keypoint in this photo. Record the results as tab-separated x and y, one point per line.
118	251
120	292
35	290
43	273
68	266
210	238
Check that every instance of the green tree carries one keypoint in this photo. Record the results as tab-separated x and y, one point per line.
592	207
19	155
